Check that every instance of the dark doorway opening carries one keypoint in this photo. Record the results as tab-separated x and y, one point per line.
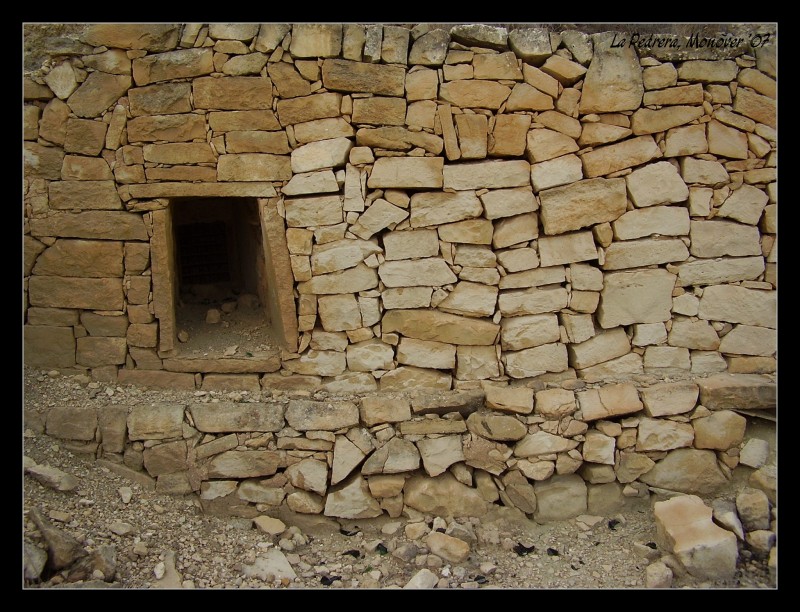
221	284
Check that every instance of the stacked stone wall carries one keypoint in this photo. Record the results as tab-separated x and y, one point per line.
575	238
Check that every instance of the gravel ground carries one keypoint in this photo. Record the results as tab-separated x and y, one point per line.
168	542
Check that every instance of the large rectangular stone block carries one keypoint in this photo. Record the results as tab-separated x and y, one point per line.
407	173
89	293
735	304
639	296
84	195
582	204
378	79
233	93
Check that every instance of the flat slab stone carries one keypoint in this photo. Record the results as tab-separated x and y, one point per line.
230	416
737	392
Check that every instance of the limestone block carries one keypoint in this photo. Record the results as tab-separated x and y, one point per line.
307	108
410	172
614	157
641	296
537	360
613	81
543	144
487	174
99	91
474	93
662	220
608	401
684	527
657	183
637	253
736	304
582	204
567	248
721	430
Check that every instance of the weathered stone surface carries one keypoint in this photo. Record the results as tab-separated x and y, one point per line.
685	94
155	422
430	49
320	154
554	172
71	422
431	271
657	183
352	501
525	97
409	172
443	495
309	475
180	64
170	128
166	458
480	35
609	401
380	215
162	99
565	71
613	81
426	354
647	121
376	410
434	208
598	448
543	144
396	456
99	91
470	299
410	377
543	443
63	292
243	464
662	435
308	108
611	158
369	355
516	400
703	172
720	238
535	277
750	340
532	301
693	334
652	301
340	255
687	470
567	248
84	195
737	391
228	416
744	205
313	211
359	278
665	399
79	168
474	93
761	109
487	174
527	331
509	231
632	465
304	415
537	360
582	204
81	258
378	79
438	454
637	253
684	527
737	304
42	162
721	430
594	134
560	498
319	363
599	348
502	428
662	220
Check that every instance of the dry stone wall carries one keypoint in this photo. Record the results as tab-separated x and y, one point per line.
575	238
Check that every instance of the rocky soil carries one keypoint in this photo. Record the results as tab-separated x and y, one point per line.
155	541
